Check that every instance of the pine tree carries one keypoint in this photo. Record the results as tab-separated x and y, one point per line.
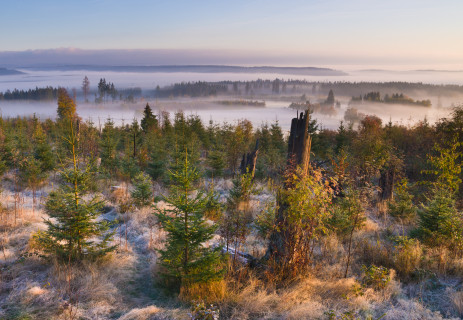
446	166
186	259
216	162
330	98
86	88
128	168
158	162
31	174
149	120
142	193
440	223
72	227
347	217
234	226
42	149
402	206
108	144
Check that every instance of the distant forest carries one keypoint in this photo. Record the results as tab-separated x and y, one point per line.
285	88
398	98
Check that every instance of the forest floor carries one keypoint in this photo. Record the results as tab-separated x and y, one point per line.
125	284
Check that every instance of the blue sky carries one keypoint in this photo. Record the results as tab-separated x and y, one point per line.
406	30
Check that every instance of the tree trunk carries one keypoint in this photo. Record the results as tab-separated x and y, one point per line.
386	183
299	145
248	163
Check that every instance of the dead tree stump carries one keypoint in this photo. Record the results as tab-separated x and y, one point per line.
299	145
386	183
248	163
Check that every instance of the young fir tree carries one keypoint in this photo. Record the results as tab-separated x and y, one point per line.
439	221
73	234
158	161
42	150
149	121
108	148
402	206
31	174
347	217
142	193
216	162
186	260
235	224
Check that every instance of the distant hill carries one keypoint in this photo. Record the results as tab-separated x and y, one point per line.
309	71
9	72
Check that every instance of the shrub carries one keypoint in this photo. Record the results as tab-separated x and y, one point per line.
375	277
407	256
265	220
202	312
402	206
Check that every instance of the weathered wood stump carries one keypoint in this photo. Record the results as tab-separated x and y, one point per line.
248	163
386	183
299	145
299	142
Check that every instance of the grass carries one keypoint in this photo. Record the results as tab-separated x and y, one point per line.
125	285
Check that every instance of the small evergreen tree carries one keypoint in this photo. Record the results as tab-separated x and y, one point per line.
42	150
235	223
31	174
347	217
446	166
402	206
158	164
216	162
330	98
142	193
85	88
214	208
108	145
128	168
440	223
72	227
149	120
186	259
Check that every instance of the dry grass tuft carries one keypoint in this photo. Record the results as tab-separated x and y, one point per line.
411	310
36	290
456	297
211	292
142	313
408	257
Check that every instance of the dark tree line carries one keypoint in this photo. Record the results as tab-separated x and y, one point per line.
37	94
398	98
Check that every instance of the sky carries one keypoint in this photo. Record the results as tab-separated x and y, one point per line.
290	32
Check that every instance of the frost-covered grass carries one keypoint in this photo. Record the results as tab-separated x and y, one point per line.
124	285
